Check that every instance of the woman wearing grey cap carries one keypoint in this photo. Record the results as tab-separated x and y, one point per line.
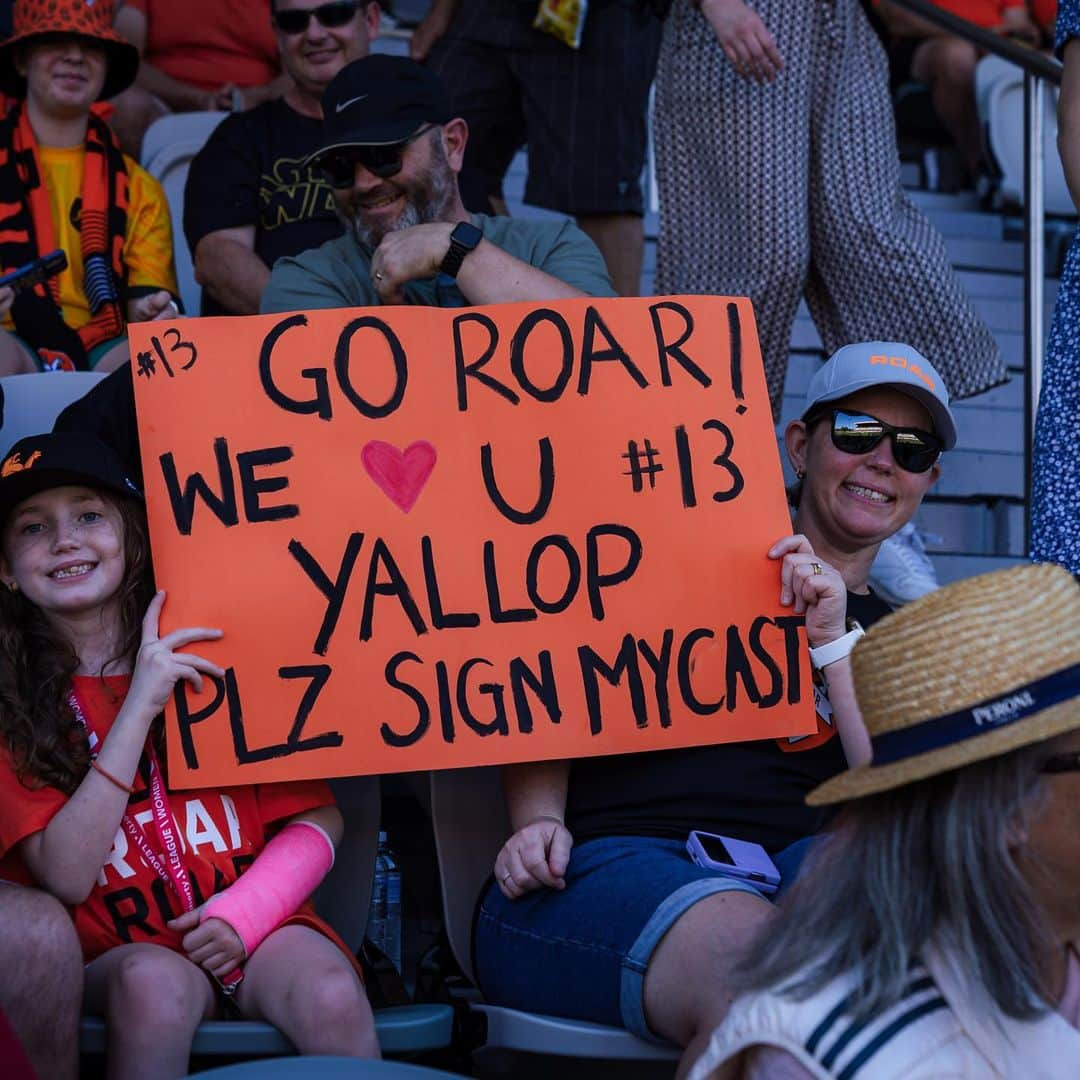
597	912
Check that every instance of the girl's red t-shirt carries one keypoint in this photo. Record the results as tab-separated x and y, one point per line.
221	830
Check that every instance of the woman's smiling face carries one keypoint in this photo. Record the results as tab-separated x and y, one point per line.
859	499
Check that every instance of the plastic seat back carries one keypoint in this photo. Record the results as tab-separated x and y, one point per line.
999	95
33	402
470	821
168	147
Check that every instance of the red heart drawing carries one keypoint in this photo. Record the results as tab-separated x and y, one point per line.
400	475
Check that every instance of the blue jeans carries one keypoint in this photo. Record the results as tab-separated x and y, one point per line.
582	952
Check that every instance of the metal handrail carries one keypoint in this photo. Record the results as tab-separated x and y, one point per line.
1023	56
1038	70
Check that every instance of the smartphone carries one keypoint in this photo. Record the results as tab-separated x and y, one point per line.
33	273
735	858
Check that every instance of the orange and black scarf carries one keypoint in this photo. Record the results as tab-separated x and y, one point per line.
27	231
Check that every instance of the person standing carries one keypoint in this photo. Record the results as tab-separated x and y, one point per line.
1055	520
580	110
779	178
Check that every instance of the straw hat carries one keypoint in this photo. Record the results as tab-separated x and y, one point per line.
965	673
80	18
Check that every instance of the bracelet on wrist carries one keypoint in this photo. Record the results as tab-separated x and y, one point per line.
109	776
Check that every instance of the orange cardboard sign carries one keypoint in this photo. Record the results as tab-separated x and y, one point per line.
438	538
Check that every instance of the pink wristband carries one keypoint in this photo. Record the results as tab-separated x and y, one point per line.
284	874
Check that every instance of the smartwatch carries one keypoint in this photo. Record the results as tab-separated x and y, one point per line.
824	655
463	239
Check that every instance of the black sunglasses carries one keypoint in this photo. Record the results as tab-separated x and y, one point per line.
335	13
338	166
913	450
1061	763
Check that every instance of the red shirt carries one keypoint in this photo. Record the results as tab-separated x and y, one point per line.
222	831
985	13
208	43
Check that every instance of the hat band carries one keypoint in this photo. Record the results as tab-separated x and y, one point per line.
988	715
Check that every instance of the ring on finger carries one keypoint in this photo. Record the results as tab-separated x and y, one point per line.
378	275
815	568
507	878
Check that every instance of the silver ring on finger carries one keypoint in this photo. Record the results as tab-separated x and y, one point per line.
378	275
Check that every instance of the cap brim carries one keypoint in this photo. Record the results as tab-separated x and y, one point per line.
384	135
22	486
872	779
944	425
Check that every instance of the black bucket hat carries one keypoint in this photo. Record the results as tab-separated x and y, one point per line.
40	462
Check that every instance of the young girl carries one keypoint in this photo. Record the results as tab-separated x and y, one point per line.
179	898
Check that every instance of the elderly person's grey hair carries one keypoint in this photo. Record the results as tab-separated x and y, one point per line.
938	858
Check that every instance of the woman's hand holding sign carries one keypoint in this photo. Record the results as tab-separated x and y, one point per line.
535	857
814	587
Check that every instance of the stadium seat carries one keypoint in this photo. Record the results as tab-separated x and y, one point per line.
321	1068
999	97
470	822
33	402
168	147
343	901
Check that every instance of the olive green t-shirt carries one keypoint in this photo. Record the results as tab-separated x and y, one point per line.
338	274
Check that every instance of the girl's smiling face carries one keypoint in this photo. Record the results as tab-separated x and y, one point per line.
63	548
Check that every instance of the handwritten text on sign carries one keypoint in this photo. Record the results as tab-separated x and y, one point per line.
441	538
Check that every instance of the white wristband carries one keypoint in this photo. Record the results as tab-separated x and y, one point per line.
824	655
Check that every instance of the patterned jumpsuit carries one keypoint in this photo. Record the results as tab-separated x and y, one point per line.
1055	490
791	189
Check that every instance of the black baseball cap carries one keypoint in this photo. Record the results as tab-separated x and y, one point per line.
39	462
380	100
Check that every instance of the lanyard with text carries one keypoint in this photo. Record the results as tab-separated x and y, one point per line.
172	871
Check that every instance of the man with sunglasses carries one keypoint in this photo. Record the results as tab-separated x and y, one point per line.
391	152
251	197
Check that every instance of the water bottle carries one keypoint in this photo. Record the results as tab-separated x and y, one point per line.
384	919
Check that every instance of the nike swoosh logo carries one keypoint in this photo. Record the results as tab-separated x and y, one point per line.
352	101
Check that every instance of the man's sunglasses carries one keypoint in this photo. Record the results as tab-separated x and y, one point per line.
913	450
335	13
338	166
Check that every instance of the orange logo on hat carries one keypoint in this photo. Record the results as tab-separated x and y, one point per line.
15	464
902	362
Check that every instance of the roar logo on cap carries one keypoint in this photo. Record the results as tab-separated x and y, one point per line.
902	362
15	464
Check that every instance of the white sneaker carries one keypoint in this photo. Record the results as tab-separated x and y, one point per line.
902	570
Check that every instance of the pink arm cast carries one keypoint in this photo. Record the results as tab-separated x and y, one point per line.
284	874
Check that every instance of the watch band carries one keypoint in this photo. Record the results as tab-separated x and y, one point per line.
463	239
827	654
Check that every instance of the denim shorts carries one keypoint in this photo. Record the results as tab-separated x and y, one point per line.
582	952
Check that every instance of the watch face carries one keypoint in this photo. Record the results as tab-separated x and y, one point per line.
467	235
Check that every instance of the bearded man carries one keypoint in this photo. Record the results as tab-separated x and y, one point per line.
391	154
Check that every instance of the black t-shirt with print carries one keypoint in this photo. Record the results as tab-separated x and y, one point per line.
251	172
750	791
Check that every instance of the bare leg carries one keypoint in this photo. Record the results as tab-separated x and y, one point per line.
41	989
300	982
687	983
14	358
153	1000
947	66
621	240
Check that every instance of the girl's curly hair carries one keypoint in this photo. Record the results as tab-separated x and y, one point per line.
37	725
